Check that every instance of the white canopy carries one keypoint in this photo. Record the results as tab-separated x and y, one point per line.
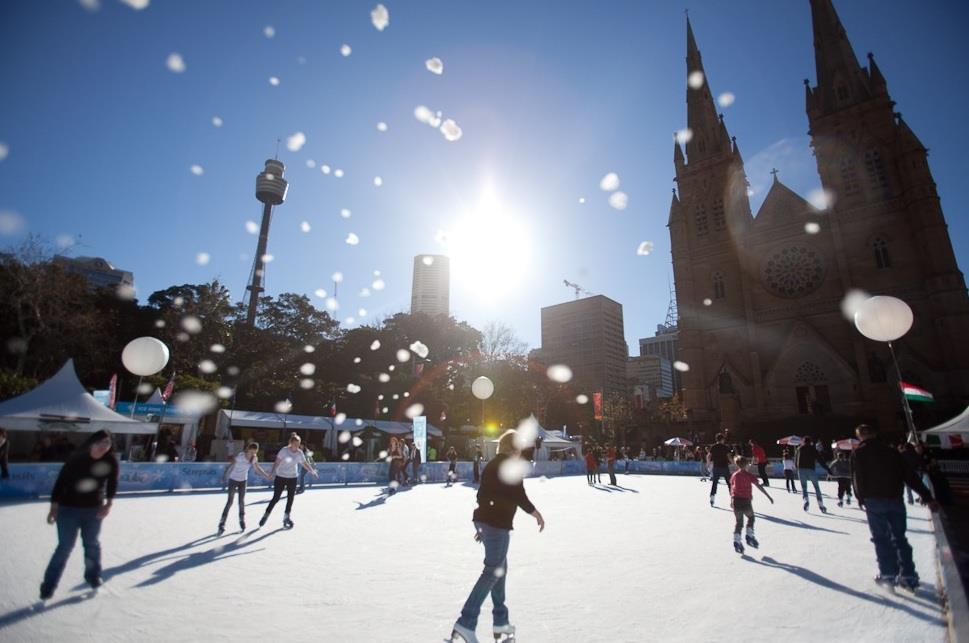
958	424
951	434
62	404
297	423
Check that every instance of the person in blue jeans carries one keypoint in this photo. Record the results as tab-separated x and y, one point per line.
81	499
500	495
806	461
880	474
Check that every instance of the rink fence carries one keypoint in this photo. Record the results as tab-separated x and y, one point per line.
37	479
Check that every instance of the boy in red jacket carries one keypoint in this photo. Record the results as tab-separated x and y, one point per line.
760	459
741	499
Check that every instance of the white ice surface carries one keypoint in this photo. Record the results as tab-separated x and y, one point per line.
650	562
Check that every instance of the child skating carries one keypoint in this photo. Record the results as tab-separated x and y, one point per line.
237	474
841	471
741	500
789	483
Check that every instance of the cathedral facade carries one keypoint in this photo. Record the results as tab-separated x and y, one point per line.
760	298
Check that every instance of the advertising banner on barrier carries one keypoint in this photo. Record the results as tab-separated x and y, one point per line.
420	435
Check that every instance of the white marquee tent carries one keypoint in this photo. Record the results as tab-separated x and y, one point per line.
62	404
951	433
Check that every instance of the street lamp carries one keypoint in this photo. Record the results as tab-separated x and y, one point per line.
886	319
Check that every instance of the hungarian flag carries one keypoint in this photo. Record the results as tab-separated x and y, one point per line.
916	394
113	391
169	389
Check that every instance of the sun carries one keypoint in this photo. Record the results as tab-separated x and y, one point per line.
490	251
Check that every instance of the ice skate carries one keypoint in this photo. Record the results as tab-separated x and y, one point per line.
504	633
823	509
221	528
908	583
461	634
848	500
262	521
97	582
751	540
841	504
806	505
737	545
287	523
885	581
711	500
242	523
46	592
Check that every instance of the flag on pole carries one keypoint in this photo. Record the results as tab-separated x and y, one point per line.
597	405
915	394
113	391
169	388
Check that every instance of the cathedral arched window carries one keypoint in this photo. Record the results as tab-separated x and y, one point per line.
849	176
842	91
882	259
810	386
719	292
875	169
702	226
719	223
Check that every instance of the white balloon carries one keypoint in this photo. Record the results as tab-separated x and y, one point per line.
145	356
883	318
482	388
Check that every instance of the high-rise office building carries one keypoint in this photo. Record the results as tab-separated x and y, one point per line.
587	335
652	374
430	292
664	344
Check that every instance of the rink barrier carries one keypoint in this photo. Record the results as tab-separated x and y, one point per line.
37	479
956	603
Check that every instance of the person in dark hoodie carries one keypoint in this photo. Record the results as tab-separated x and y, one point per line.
81	499
806	460
500	495
880	474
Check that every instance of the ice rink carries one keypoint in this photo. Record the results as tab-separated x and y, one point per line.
647	561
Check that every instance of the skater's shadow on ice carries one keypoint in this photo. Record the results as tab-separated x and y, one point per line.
798	523
147	559
818	579
377	501
600	487
619	488
6	620
199	558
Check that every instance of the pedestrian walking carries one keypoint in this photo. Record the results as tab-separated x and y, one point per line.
288	461
788	462
840	469
720	458
760	459
741	501
80	501
611	463
237	474
806	461
498	500
880	473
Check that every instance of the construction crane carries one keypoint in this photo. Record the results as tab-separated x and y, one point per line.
576	287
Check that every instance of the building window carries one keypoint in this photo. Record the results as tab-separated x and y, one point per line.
849	176
719	292
812	394
718	218
701	219
875	168
882	258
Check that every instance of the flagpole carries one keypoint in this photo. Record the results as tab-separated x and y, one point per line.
913	436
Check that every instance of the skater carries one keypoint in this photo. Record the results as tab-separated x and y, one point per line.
611	463
598	454
396	457
789	471
4	454
302	472
402	476
497	503
841	471
741	501
476	470
706	465
880	473
237	474
81	499
415	460
760	459
288	460
720	458
590	467
452	474
806	460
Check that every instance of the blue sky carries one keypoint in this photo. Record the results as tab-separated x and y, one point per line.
550	97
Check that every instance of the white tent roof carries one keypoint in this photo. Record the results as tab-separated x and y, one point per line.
958	424
268	420
62	404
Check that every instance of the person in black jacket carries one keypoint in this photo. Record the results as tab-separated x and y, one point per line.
880	473
81	499
4	454
720	455
806	461
499	496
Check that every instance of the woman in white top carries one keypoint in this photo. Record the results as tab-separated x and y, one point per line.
285	468
789	472
237	474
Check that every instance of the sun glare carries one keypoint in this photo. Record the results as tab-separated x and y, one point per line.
489	250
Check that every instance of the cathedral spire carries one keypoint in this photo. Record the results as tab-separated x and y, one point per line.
678	161
841	80
709	135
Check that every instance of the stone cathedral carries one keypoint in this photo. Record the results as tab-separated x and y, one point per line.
760	297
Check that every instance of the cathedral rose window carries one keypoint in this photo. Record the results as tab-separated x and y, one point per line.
793	271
